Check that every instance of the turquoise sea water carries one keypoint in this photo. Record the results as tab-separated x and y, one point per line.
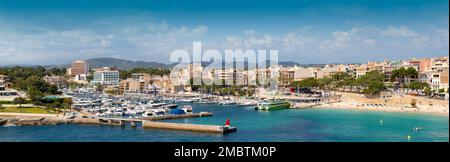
309	125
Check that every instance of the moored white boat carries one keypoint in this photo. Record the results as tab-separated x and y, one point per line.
187	108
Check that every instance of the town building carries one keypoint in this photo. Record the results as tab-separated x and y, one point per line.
106	76
286	76
5	78
79	67
439	73
7	94
2	86
54	80
141	76
138	83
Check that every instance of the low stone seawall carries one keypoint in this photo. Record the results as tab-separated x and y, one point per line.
33	121
45	119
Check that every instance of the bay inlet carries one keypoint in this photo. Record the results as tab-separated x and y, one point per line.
307	125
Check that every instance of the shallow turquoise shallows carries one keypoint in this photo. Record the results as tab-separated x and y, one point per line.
311	125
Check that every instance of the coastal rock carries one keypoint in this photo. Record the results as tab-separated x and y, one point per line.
3	122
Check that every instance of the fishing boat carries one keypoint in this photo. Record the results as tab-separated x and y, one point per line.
274	105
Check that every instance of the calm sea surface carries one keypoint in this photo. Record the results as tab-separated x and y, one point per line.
310	125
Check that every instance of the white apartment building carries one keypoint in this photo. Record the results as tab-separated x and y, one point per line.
106	76
439	73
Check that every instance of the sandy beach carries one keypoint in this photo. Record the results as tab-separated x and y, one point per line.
395	103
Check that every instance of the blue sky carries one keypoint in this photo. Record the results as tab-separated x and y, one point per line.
319	31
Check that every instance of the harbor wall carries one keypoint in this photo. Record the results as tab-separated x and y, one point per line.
186	127
32	120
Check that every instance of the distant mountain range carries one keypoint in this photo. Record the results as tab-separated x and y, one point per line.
123	64
118	63
128	64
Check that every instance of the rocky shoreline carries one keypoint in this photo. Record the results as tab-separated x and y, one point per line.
18	121
36	119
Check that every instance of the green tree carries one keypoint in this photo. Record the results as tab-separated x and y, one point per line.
403	75
67	102
411	72
417	85
427	90
56	71
340	76
89	78
372	82
123	74
19	101
52	89
374	88
305	83
325	83
34	94
99	87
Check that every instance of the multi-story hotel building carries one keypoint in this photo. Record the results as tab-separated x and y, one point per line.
79	67
106	76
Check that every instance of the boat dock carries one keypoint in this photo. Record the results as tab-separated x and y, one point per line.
148	122
189	127
160	125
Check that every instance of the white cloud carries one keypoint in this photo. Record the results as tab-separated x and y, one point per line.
295	42
234	40
341	36
250	40
154	41
370	42
402	31
263	41
144	41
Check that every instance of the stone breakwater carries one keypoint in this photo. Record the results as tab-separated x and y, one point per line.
29	121
20	119
32	120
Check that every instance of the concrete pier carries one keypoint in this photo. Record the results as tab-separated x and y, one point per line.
189	127
164	125
134	122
